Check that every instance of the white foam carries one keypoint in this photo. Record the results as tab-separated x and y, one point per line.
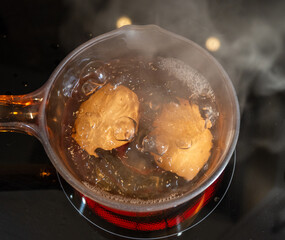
196	82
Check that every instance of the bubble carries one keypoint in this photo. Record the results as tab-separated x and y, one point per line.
124	129
94	76
161	148
89	87
183	143
150	144
94	70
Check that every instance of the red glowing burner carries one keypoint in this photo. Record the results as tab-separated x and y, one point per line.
152	221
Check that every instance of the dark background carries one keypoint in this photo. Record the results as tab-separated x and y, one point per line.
36	35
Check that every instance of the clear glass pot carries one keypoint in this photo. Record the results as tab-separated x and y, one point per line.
40	113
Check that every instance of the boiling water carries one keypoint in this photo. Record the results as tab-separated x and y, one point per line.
129	172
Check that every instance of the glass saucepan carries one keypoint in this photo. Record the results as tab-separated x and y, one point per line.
40	113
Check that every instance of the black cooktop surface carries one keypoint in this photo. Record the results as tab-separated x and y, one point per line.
36	35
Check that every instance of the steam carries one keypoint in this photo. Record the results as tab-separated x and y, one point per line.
255	53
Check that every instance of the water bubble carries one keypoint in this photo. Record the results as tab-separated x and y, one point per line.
89	87
94	71
161	148
124	129
150	144
183	143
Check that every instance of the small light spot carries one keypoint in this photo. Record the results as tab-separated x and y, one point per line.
213	44
122	21
82	205
44	173
216	199
31	116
